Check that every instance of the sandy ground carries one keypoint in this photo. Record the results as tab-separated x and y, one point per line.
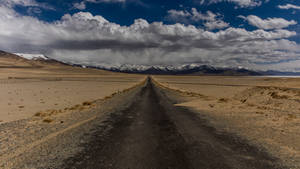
46	139
27	91
265	110
137	128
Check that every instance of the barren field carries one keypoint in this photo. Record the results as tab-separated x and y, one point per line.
137	128
27	91
265	110
57	116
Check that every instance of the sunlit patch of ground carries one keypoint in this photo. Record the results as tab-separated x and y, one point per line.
26	91
265	110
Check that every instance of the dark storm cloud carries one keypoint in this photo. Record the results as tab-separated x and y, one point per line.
102	44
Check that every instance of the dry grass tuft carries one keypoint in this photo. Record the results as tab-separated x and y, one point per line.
87	103
107	97
259	112
76	107
40	114
291	117
223	100
48	120
275	95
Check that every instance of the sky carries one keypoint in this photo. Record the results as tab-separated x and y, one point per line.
254	34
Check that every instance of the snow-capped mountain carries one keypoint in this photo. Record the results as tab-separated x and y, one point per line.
39	59
186	69
195	69
32	56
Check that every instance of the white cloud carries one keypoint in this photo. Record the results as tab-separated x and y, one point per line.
209	16
178	15
289	6
82	5
93	40
240	3
269	23
25	3
211	20
217	24
12	3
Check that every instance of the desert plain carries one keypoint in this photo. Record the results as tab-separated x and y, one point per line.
41	102
264	110
28	87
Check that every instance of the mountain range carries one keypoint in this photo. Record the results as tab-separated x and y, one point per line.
186	69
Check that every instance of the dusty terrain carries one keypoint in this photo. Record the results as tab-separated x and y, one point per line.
47	139
138	128
29	87
58	116
265	110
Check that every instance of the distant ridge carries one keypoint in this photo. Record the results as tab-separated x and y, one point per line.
10	60
40	60
187	69
32	56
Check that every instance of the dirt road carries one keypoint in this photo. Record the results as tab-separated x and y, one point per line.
137	129
154	134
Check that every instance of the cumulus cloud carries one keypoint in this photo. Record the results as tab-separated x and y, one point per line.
240	3
87	39
289	6
211	20
269	23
